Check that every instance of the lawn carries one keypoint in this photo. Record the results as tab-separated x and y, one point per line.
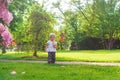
83	55
37	71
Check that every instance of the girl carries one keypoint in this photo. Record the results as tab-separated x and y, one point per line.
51	48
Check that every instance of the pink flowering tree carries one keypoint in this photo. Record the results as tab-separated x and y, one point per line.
5	19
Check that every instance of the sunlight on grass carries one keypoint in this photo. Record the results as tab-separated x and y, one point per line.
83	55
100	55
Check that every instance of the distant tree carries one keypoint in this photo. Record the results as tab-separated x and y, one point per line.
40	25
94	18
106	21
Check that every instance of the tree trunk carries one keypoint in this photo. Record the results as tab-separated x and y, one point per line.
109	43
35	52
3	49
35	45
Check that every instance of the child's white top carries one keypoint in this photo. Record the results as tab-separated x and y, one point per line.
50	47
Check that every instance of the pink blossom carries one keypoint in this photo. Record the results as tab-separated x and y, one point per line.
5	14
5	1
2	28
6	38
6	35
7	18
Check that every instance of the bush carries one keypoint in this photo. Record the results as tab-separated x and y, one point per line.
90	43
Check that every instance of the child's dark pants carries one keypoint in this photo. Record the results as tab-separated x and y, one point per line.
51	57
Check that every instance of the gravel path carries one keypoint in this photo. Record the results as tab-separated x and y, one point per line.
67	62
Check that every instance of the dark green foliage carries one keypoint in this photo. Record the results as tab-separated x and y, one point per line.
90	43
87	44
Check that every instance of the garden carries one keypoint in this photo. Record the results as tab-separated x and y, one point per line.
59	39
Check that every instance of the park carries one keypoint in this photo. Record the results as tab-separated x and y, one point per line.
59	39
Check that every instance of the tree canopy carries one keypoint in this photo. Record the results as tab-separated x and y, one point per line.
81	20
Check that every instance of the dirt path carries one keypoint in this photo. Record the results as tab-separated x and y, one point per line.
67	62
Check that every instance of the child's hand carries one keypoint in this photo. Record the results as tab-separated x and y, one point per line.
55	45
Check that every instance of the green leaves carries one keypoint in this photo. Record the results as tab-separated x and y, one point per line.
40	25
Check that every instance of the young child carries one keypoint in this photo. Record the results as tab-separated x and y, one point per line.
51	48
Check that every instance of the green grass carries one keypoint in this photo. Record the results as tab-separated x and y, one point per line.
37	71
91	55
83	55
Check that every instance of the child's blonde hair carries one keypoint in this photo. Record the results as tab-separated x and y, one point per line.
52	34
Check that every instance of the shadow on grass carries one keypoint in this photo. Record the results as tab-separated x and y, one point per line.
34	58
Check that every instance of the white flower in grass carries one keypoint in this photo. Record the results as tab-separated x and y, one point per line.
13	72
23	72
